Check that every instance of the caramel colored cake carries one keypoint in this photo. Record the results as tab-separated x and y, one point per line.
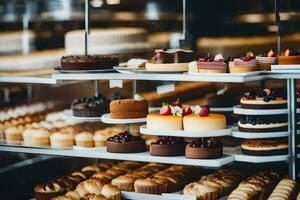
89	62
266	60
155	121
290	57
211	122
128	109
204	149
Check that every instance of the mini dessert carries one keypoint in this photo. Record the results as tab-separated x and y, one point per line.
14	133
62	140
204	149
90	107
266	60
167	146
203	120
245	64
263	123
40	137
171	60
265	99
266	147
129	108
125	143
169	117
111	192
290	57
84	139
212	65
89	62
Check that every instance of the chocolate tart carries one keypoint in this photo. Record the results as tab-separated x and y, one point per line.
90	106
89	62
167	146
289	60
206	149
125	143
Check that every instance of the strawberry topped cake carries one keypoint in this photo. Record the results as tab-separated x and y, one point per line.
291	56
246	63
265	60
209	64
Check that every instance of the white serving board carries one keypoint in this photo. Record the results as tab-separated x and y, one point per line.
106	118
69	114
252	135
286	68
242	111
183	133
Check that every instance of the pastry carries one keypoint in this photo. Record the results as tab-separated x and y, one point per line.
167	146
203	120
40	137
266	60
128	108
14	133
284	190
243	65
204	149
48	190
125	143
265	99
61	140
90	186
150	186
263	123
111	192
171	60
84	139
290	57
265	147
90	106
212	65
88	62
100	138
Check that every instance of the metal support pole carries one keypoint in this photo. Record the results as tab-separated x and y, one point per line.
133	88
29	92
292	119
277	21
86	24
96	88
184	20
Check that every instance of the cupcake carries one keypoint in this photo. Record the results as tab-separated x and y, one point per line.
27	136
266	60
84	139
62	140
100	138
111	192
14	133
40	137
247	63
150	186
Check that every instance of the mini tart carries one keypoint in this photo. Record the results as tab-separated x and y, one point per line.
289	60
169	67
40	137
111	192
203	153
166	149
264	63
155	121
241	69
212	122
128	109
259	103
126	147
61	140
84	139
264	147
212	67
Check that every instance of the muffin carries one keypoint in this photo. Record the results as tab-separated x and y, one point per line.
150	186
27	136
62	140
111	192
14	133
84	139
100	138
40	137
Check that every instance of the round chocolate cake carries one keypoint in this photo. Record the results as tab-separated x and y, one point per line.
167	146
204	149
90	106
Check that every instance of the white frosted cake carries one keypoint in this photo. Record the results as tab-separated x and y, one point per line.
15	41
107	41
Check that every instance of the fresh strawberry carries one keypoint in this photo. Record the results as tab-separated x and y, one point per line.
165	110
204	111
287	52
271	53
202	60
187	111
176	103
247	58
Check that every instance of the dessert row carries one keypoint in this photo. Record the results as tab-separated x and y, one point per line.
106	180
179	60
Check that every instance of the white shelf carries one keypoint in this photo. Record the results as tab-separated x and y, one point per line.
183	133
101	153
27	79
106	118
252	135
231	78
242	111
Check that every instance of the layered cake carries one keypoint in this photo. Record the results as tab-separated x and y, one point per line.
291	56
128	108
265	147
204	148
247	63
171	60
125	143
265	60
212	65
167	146
203	120
263	123
264	99
88	62
90	106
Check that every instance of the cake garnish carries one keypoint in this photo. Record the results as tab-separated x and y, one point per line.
266	94
138	97
219	57
271	53
248	57
176	111
205	143
204	111
123	137
169	140
187	110
291	52
209	58
176	103
196	109
222	91
165	110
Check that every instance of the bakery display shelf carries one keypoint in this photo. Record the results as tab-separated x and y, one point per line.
163	196
243	111
286	68
106	118
247	135
157	77
185	133
28	80
103	154
69	115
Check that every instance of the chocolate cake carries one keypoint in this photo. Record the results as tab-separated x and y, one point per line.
173	56
204	149
89	62
167	146
125	143
90	106
265	147
221	99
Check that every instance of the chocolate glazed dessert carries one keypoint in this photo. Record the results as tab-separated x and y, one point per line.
89	62
90	106
173	56
167	146
204	149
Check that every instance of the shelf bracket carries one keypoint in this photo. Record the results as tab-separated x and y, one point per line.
86	25
277	22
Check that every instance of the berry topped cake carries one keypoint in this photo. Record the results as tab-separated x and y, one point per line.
90	106
264	99
291	56
170	60
209	64
167	146
246	63
124	142
265	60
204	148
